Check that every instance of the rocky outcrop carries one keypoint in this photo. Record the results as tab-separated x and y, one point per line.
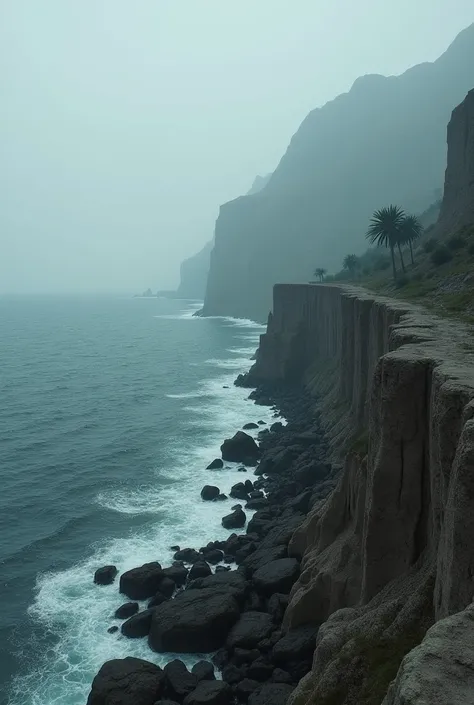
316	205
457	209
390	551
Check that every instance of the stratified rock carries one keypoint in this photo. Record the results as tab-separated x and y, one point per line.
128	681
216	464
200	570
105	575
196	621
141	583
204	671
277	576
210	492
127	610
271	694
251	628
235	520
210	693
179	681
240	448
137	626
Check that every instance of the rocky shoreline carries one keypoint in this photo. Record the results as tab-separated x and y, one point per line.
228	599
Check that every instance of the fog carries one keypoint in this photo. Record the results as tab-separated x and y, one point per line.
125	124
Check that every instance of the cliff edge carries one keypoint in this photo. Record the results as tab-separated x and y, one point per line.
388	558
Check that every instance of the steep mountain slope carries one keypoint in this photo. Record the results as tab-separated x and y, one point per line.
383	141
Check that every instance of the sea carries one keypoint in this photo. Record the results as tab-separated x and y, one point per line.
111	408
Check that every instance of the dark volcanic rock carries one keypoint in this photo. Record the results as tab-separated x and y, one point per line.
137	626
256	503
128	681
263	556
112	630
200	570
222	568
235	520
177	573
210	693
277	576
231	674
127	610
179	681
214	556
210	492
271	694
188	555
296	645
240	448
239	491
277	605
245	688
251	628
260	670
158	599
196	621
245	656
204	671
228	583
166	586
143	582
281	676
105	575
221	498
250	426
216	464
308	475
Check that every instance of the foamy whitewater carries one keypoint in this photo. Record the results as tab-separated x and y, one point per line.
168	511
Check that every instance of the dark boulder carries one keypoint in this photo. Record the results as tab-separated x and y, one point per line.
248	486
249	426
200	570
105	575
260	670
215	465
226	583
210	693
127	610
245	688
257	503
235	520
241	656
308	475
240	448
214	556
262	423
166	586
177	573
128	681
196	621
280	676
112	630
246	550
231	674
271	694
141	583
242	469
210	492
179	681
297	645
158	599
222	568
251	628
277	576
221	498
137	626
263	556
204	671
256	494
188	555
276	427
220	659
276	606
239	491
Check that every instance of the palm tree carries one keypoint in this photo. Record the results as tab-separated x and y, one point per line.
384	229
351	263
410	230
320	272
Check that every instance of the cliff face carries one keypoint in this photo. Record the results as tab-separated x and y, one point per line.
193	274
382	142
457	208
390	552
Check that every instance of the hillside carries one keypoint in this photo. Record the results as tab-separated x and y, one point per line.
383	141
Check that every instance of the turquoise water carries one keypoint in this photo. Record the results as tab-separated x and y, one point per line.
111	408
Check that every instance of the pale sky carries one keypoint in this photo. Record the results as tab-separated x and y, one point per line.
125	123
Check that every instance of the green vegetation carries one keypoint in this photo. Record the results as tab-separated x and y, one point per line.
351	264
441	255
320	272
457	242
393	228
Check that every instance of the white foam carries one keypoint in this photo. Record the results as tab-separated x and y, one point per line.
70	606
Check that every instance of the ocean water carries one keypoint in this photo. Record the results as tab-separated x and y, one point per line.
111	408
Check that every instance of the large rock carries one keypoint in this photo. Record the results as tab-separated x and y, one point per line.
179	681
276	576
251	628
127	610
105	575
204	671
137	626
296	645
239	491
271	694
128	681
240	448
201	569
143	582
216	464
196	621
210	693
227	582
235	520
210	492
177	573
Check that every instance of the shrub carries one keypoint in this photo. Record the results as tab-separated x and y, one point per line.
456	242
441	255
401	282
430	244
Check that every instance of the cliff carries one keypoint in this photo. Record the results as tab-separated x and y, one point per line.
382	142
389	554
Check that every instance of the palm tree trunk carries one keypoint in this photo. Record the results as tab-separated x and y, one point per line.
401	257
394	269
411	252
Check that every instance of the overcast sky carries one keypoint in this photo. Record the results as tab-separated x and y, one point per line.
125	123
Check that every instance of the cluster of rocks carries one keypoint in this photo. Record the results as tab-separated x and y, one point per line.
234	614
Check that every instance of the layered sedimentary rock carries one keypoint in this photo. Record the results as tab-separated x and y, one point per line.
390	552
382	142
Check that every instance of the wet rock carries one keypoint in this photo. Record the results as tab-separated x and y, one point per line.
249	426
177	573
239	491
204	671
276	427
231	674
221	498
158	599
254	602
112	630
179	681
199	570
240	448
235	520
127	610
188	555
256	494
245	688
250	629
128	681
141	583
137	626
242	553
257	503
210	693
105	575
213	556
263	556
220	659
196	621
222	568
166	586
216	464
236	506
226	583
260	670
271	694
248	486
210	492
242	469
174	548
262	423
276	576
